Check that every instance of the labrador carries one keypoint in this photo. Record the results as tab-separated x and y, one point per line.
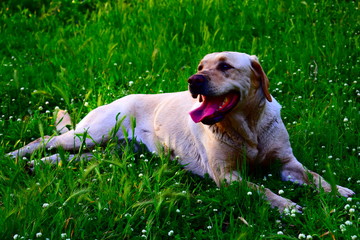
228	116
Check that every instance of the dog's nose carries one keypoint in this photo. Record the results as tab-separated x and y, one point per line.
196	80
197	84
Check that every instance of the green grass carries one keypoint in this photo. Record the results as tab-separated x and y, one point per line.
77	55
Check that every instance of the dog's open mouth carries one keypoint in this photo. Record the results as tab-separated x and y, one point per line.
214	108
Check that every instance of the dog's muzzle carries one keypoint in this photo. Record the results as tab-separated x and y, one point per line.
214	107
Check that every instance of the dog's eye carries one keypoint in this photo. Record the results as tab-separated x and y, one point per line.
200	67
224	66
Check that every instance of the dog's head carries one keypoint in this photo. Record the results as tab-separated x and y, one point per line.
223	81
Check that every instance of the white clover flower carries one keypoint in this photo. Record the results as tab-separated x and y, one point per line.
342	227
170	233
16	236
301	236
351	210
349	199
349	223
308	237
354	237
143	231
38	235
346	119
249	193
45	205
178	210
281	192
131	83
63	235
140	174
209	227
280	233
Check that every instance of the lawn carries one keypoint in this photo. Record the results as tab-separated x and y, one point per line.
77	55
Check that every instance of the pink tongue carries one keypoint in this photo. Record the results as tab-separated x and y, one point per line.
209	106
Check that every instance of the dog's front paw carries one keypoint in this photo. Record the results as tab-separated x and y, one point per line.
345	192
284	205
287	206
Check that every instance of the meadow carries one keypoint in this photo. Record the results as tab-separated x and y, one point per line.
77	55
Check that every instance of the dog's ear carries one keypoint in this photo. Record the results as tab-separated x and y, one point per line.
264	81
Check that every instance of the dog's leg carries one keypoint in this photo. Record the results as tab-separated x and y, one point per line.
56	158
96	128
275	200
67	141
294	171
29	148
222	170
62	121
